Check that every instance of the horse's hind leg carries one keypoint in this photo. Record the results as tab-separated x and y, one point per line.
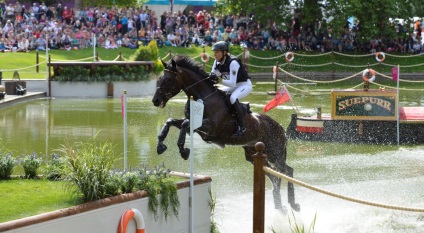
276	184
290	189
164	132
185	152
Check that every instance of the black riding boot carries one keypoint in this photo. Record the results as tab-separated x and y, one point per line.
239	117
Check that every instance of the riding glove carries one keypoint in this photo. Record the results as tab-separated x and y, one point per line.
214	78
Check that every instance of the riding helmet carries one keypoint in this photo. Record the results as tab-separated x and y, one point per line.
220	46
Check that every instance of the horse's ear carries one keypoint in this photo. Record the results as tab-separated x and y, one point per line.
174	64
163	63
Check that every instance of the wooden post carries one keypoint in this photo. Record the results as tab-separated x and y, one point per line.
332	62
120	55
259	189
97	56
37	62
276	76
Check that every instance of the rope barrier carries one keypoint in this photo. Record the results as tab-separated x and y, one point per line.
312	55
24	68
356	55
267	58
82	59
317	65
357	66
317	81
294	181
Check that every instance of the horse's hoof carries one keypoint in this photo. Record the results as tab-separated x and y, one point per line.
161	148
295	207
185	154
282	210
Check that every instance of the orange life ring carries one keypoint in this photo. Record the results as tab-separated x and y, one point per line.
126	218
202	56
377	56
289	56
364	75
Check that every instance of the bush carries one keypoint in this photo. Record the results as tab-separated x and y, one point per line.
31	163
157	181
88	166
54	168
149	53
7	164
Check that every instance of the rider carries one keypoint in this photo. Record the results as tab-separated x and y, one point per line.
230	71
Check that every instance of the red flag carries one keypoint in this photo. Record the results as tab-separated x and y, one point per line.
282	96
395	73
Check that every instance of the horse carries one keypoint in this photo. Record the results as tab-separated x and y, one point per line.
184	74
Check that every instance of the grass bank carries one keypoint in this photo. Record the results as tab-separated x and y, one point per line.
261	61
23	197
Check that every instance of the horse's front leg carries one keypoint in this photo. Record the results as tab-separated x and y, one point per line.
164	132
185	152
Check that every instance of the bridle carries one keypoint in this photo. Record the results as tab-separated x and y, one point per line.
168	90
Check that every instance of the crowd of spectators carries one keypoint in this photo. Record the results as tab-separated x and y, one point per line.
40	27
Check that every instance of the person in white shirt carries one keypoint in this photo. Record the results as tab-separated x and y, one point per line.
171	38
23	45
144	18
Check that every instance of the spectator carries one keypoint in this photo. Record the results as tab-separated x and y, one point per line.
23	45
171	39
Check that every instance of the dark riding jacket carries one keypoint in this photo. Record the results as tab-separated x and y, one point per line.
242	74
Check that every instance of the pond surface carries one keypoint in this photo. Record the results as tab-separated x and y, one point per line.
390	175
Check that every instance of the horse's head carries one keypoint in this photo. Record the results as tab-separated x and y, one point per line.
168	85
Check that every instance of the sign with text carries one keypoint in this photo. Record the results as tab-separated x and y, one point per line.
196	114
364	105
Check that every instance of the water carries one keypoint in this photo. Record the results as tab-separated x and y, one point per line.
385	174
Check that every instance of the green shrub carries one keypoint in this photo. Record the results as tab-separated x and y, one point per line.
54	168
31	163
89	172
7	164
88	166
131	180
143	53
72	74
157	181
154	48
114	182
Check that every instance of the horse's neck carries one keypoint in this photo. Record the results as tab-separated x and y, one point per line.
197	87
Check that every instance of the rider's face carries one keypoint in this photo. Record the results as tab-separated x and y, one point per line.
219	55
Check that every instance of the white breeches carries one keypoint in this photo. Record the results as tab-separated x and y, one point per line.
240	91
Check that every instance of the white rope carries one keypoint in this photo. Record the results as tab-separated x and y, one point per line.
312	55
317	81
267	58
82	59
24	68
357	66
348	55
403	56
317	65
294	181
163	58
402	66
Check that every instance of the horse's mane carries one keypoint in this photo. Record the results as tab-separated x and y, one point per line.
188	63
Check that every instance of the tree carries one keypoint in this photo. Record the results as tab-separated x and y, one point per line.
374	15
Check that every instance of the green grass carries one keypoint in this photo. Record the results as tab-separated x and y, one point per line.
21	198
9	62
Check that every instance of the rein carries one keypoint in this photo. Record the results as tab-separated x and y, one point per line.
190	86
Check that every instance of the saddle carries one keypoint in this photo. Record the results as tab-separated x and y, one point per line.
245	105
